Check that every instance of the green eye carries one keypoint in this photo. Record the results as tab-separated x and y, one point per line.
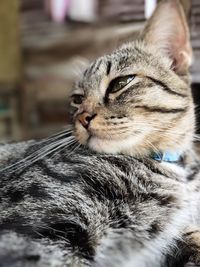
119	83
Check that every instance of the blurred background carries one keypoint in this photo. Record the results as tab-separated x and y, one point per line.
44	44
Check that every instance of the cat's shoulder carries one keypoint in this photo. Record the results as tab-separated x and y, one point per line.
11	151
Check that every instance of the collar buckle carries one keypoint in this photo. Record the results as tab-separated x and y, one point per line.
166	157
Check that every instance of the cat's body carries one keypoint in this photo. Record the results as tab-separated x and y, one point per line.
86	209
134	201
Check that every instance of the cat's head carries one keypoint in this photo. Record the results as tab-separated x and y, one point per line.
138	99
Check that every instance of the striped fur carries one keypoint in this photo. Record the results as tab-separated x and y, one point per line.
86	209
154	112
95	198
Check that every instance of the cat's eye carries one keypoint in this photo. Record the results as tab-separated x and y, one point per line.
119	83
77	99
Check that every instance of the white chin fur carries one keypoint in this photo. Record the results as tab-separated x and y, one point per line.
113	146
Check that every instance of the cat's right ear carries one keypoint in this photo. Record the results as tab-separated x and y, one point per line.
167	30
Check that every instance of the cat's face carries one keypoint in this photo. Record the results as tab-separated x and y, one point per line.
133	102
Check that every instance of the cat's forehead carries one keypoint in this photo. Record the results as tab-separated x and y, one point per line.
112	64
129	59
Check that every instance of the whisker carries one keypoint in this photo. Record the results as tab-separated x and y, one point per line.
155	149
56	135
49	148
72	143
41	153
74	148
56	149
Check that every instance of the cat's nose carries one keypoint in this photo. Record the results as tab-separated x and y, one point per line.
85	118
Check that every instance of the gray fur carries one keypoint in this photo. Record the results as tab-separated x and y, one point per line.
62	205
87	209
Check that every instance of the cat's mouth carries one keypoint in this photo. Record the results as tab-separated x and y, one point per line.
97	133
104	142
84	136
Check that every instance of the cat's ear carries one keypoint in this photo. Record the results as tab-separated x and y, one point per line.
167	30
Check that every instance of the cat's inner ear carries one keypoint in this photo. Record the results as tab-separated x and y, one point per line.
167	30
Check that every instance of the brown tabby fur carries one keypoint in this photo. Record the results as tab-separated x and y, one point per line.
156	111
114	204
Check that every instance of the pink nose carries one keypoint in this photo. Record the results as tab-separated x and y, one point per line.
85	119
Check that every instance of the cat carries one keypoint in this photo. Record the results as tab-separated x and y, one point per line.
121	187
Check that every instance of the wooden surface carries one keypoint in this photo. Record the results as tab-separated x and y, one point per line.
124	10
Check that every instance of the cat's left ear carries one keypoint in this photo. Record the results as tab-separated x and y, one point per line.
167	29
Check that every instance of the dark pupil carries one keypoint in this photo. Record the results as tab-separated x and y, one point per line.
119	83
77	99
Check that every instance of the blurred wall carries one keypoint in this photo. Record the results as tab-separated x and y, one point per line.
10	63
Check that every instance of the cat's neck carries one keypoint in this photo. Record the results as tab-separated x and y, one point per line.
183	166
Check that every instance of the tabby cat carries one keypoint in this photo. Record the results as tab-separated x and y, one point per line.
121	189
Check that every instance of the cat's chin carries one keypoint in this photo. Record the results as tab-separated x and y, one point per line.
125	146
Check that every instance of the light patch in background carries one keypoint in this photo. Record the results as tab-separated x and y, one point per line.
83	10
58	9
150	5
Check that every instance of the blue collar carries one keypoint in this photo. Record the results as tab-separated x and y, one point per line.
166	157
